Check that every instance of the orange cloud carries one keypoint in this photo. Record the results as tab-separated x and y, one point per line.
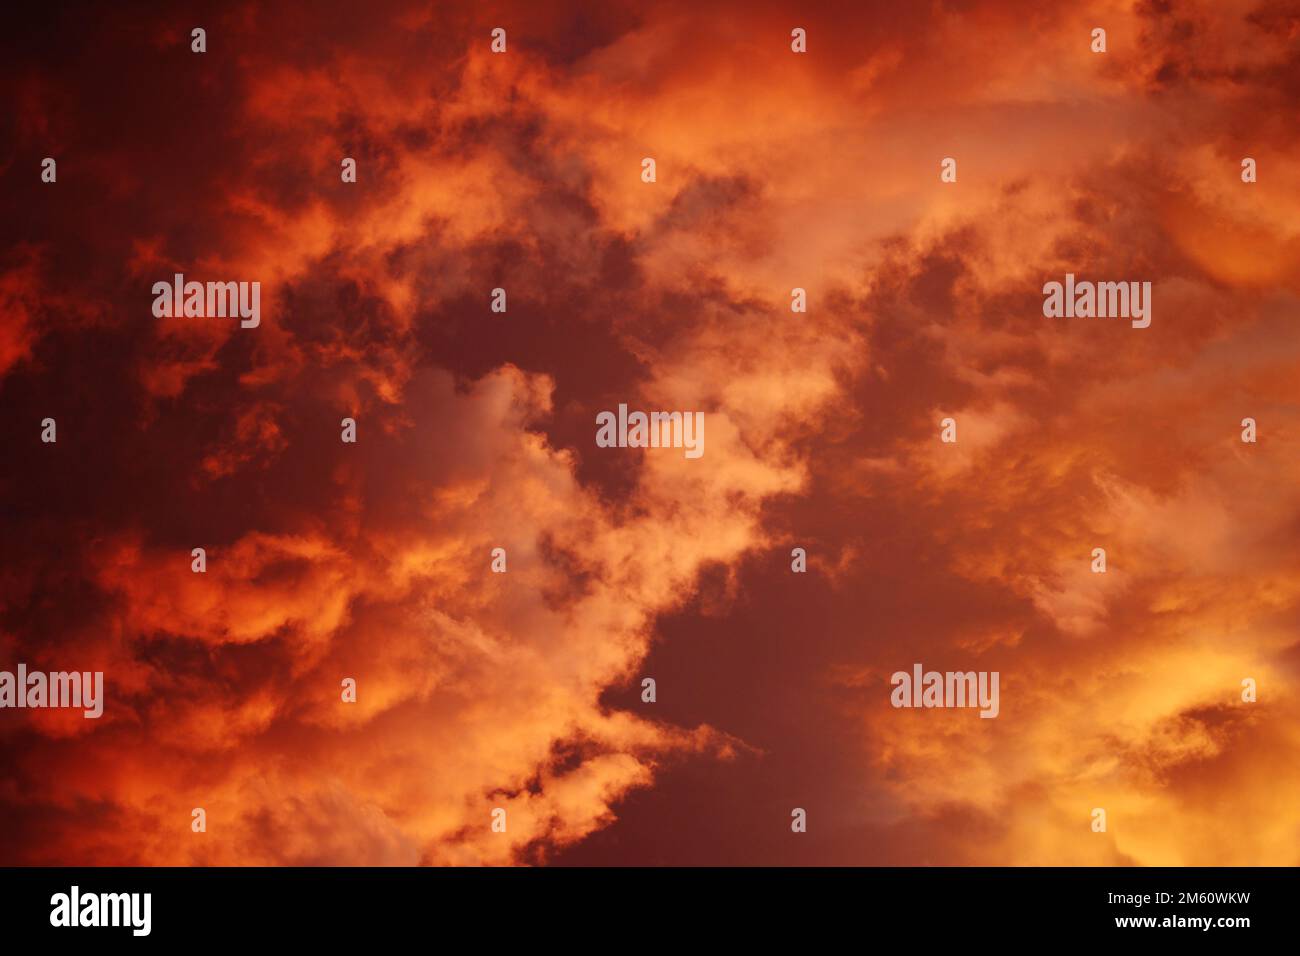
479	691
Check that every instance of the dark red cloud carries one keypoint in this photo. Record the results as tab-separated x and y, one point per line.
522	691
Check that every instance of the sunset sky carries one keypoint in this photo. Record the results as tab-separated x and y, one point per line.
476	430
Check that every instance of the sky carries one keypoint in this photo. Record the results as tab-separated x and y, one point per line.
521	691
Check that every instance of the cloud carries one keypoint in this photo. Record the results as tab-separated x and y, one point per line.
521	691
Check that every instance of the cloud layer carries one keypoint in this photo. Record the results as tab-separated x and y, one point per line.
522	690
